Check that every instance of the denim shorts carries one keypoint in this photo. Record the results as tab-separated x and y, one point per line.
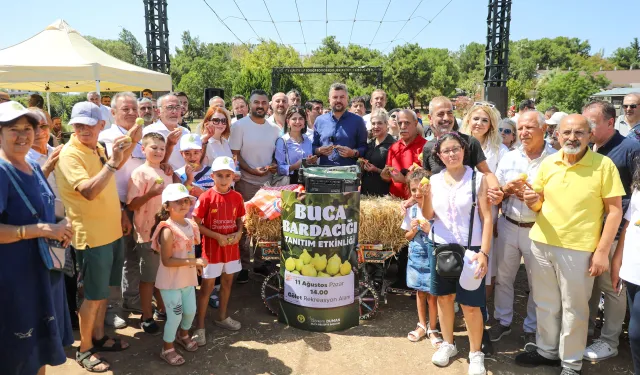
441	286
419	264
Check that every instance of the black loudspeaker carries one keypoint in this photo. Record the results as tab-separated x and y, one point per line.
209	93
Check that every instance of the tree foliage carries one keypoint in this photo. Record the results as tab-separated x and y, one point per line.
553	70
125	48
625	57
569	91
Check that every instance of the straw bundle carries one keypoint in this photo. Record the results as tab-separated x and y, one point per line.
380	220
260	228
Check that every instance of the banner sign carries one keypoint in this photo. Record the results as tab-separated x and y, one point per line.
319	260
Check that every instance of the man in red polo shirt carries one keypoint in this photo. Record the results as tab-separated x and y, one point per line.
404	153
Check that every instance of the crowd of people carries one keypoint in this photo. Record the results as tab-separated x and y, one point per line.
152	209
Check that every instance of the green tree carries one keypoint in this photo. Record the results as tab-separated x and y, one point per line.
125	48
411	68
402	100
198	65
625	57
471	59
568	91
138	53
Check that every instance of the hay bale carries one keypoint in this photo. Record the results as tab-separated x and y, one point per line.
380	220
260	228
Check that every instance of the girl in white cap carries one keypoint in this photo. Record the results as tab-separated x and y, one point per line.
175	237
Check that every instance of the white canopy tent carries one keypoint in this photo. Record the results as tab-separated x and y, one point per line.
59	59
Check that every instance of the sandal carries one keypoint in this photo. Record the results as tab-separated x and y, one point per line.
228	323
174	360
436	340
415	335
190	345
99	345
85	361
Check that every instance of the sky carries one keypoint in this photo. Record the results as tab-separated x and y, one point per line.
435	23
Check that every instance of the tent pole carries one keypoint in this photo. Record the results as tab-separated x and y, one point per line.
98	86
48	103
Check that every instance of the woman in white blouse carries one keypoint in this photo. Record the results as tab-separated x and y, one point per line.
448	202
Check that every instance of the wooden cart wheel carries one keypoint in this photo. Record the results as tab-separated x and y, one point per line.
271	290
368	299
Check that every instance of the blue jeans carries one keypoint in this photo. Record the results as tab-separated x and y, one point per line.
633	292
181	310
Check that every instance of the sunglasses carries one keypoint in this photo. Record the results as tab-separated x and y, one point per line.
217	121
632	106
485	104
505	131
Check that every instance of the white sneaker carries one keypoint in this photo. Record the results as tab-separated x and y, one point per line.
476	363
112	319
200	337
599	351
442	356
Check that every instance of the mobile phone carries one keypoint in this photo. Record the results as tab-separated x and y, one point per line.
619	287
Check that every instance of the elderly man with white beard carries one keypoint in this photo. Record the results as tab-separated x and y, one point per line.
571	241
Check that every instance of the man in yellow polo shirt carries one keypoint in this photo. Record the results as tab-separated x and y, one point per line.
88	190
572	192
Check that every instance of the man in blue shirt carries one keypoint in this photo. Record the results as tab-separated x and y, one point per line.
624	153
340	137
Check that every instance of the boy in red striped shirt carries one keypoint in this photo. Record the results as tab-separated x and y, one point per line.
219	213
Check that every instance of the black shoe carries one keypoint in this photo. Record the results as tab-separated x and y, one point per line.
497	331
570	371
243	277
534	359
262	270
487	345
150	326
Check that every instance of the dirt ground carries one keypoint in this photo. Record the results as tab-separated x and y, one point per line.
377	346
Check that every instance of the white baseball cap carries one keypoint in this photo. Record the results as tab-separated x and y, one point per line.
223	162
468	279
85	113
175	192
11	110
556	118
190	142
